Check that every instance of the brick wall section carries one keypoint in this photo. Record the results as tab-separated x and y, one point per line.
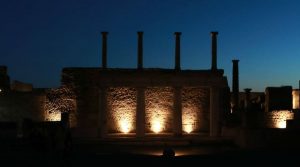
159	107
121	107
276	119
195	108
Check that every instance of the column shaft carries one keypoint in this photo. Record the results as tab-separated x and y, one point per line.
177	112
104	49
214	112
214	50
140	49
140	113
177	50
103	112
235	84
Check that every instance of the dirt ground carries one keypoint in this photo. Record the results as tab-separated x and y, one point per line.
94	153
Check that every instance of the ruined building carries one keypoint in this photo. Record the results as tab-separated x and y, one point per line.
108	102
148	102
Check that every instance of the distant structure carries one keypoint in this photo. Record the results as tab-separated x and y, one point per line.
235	85
19	100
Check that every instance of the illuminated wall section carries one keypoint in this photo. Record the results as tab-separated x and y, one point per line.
121	110
159	109
53	116
58	100
295	94
195	109
277	119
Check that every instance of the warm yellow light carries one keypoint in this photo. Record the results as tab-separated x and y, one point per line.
295	95
279	118
189	118
125	126
157	127
188	128
281	124
54	116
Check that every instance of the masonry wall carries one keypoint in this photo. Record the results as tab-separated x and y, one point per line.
16	106
121	109
106	96
277	119
195	109
159	109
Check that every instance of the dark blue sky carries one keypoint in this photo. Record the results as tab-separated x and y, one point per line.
40	37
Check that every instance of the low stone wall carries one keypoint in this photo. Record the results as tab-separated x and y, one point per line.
277	119
16	106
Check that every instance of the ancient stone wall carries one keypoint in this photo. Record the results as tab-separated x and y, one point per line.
121	109
16	106
159	109
277	119
195	109
60	100
106	99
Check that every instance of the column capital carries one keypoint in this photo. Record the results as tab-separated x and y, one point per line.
235	60
140	32
177	87
140	87
214	33
247	89
177	33
104	32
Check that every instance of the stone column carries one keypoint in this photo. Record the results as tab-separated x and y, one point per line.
104	49
214	112
235	84
140	49
4	80
102	126
177	114
214	50
247	98
177	51
140	112
65	119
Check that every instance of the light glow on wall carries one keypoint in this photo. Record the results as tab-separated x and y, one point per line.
281	124
59	100
159	109
156	126
195	109
125	125
188	119
295	95
53	116
188	128
121	109
278	118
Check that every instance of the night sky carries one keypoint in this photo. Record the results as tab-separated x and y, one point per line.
40	37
